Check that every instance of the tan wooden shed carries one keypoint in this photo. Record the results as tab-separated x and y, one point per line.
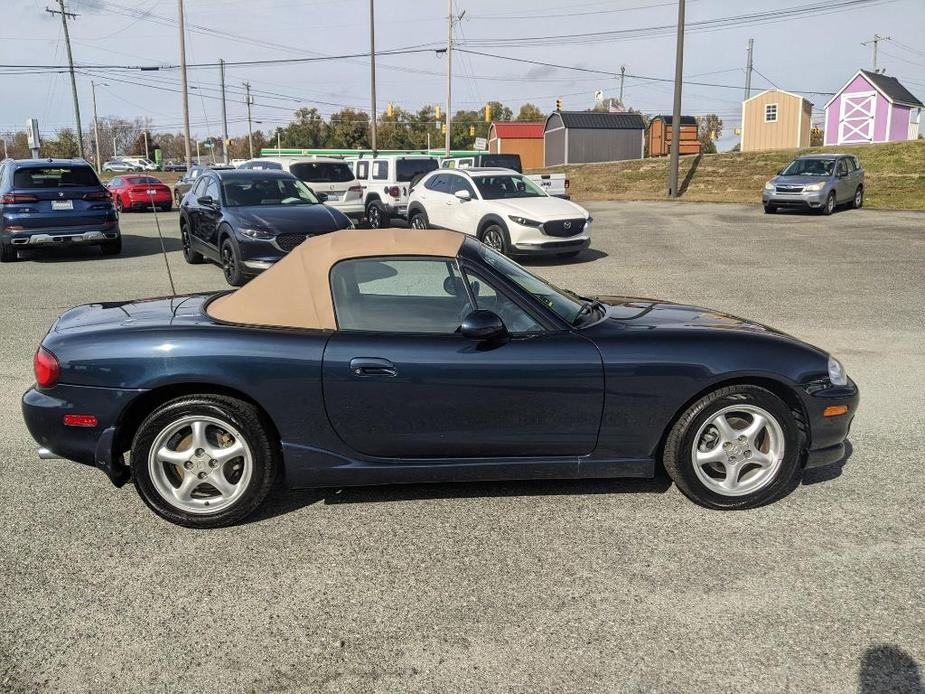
516	137
775	119
658	136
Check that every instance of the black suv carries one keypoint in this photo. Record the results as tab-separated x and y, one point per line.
54	202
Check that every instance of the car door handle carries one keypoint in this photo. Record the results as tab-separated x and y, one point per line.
372	366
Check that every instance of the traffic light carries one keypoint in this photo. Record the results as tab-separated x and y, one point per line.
488	113
390	110
437	112
471	131
559	104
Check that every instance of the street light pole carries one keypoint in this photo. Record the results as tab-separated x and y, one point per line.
70	62
676	112
449	76
221	72
250	131
96	130
372	76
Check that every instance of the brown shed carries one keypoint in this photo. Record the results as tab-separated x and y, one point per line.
658	136
514	137
775	119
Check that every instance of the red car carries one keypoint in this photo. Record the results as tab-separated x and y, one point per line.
139	193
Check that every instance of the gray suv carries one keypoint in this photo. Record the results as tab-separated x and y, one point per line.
817	182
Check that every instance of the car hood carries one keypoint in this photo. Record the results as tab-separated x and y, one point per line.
798	180
296	218
649	314
539	209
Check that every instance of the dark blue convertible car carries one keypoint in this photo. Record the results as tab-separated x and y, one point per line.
376	357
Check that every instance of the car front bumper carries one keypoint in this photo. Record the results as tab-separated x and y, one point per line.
828	433
811	200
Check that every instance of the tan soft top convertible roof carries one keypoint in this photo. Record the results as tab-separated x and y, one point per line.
296	293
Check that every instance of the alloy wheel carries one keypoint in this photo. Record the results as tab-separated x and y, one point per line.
374	217
738	451
227	263
494	240
858	198
830	204
417	222
200	464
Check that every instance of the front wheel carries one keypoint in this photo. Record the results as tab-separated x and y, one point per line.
495	237
737	447
377	216
829	207
858	200
231	265
204	461
418	220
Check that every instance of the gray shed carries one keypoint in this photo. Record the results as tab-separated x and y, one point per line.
578	137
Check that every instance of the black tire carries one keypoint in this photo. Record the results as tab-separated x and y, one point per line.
770	209
113	247
177	198
829	206
418	220
858	200
495	236
241	415
678	453
189	255
8	253
231	264
120	208
377	216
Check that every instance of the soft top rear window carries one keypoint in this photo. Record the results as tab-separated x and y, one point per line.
321	172
54	177
406	169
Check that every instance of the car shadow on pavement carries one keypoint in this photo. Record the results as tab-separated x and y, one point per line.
588	255
888	668
284	501
132	247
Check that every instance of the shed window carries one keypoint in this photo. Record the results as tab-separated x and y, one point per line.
770	113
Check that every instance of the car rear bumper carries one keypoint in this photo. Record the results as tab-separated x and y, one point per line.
145	203
43	238
828	433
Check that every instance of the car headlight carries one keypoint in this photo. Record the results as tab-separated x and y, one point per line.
815	186
524	222
837	374
258	234
769	186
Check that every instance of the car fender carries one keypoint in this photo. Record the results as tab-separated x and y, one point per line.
491	218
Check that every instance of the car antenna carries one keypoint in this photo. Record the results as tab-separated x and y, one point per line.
173	289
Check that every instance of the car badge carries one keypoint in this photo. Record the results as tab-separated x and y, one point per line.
566	225
60	195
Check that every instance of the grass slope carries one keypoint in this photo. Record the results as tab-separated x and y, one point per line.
894	173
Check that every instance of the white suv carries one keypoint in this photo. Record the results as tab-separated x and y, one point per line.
329	178
503	208
387	181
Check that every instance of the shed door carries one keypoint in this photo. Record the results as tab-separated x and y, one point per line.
856	117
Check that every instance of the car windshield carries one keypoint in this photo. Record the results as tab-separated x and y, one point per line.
407	169
254	192
54	177
809	167
141	180
321	172
507	186
568	306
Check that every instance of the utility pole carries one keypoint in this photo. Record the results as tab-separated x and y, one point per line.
449	76
96	130
748	69
147	155
186	135
250	132
372	76
221	72
876	40
622	73
65	15
676	112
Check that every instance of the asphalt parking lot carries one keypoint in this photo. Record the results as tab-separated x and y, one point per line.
518	587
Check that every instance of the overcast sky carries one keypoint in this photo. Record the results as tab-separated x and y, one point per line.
818	52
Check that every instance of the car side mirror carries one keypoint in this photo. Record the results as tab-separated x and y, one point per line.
463	195
483	325
206	201
322	197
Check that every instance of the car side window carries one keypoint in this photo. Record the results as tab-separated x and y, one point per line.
212	189
116	182
363	170
460	183
842	168
857	164
380	169
851	163
437	183
399	295
199	188
489	297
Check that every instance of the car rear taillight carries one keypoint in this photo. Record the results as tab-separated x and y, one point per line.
46	367
567	182
98	195
395	191
13	198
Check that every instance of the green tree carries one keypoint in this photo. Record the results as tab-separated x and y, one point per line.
531	113
499	111
349	129
709	130
307	129
63	145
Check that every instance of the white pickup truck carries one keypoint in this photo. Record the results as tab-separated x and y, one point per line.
555	184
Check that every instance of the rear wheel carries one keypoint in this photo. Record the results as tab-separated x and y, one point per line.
189	255
231	265
858	200
204	461
495	237
737	447
829	206
120	208
7	253
418	220
377	216
113	247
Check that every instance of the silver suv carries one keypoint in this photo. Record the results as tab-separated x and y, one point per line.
818	182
